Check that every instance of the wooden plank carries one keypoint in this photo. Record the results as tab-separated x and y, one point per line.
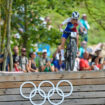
77	95
74	82
50	76
84	88
98	101
89	88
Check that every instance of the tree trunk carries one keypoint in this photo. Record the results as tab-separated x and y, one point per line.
0	27
8	46
5	50
25	35
4	36
5	59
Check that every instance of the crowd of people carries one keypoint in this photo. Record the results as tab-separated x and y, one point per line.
89	59
86	60
23	63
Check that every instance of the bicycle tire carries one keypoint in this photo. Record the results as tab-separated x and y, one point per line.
73	52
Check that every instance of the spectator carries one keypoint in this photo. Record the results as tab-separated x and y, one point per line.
17	67
90	58
77	60
7	62
46	22
97	52
103	65
56	55
58	63
23	61
91	55
84	64
16	57
82	48
84	22
45	64
1	61
96	66
32	64
16	54
37	58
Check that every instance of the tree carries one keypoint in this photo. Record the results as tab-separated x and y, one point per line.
26	20
0	26
8	45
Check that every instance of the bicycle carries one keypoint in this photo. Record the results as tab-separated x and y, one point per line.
71	51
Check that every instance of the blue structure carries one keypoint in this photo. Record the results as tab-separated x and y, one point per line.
42	46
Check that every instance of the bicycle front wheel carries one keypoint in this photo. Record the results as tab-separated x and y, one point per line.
73	52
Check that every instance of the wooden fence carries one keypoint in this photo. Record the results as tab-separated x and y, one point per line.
89	87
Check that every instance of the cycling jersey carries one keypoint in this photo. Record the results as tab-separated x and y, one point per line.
70	27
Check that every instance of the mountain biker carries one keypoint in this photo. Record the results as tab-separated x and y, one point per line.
72	24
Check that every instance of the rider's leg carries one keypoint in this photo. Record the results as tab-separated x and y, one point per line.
63	40
61	47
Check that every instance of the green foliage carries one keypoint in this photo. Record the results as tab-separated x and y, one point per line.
58	11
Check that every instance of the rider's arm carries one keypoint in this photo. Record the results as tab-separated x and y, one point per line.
64	22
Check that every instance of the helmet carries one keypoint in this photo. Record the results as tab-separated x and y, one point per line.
75	15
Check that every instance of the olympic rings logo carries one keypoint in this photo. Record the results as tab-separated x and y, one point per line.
50	93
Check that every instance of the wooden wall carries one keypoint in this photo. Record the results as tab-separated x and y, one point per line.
89	87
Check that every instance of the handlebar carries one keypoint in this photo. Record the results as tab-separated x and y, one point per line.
66	32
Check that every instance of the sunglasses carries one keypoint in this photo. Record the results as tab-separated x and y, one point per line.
75	19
